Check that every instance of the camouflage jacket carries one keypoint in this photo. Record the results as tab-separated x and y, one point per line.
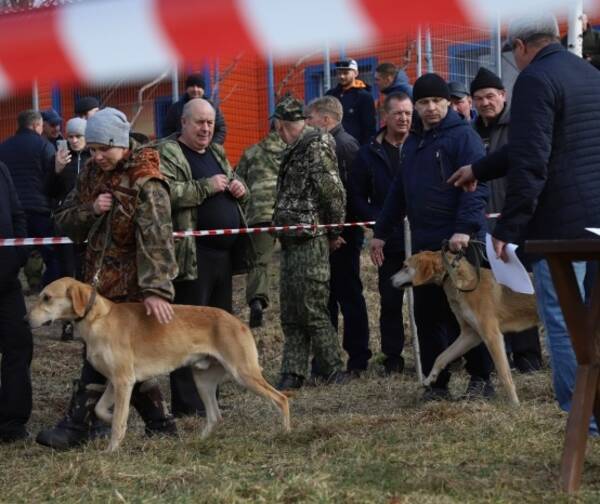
309	189
259	167
139	260
186	194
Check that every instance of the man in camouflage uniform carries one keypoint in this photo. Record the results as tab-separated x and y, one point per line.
309	191
205	194
259	167
121	195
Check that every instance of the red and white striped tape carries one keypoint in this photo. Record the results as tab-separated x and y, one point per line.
98	41
60	240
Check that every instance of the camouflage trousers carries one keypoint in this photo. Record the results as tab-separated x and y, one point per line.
257	281
304	293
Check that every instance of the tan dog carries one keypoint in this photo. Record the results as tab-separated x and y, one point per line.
483	314
127	346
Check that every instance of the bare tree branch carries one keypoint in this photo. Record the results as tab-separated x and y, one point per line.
292	71
408	53
220	77
143	89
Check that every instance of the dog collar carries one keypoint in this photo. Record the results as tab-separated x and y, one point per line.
89	305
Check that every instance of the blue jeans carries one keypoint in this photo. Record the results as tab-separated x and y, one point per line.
562	355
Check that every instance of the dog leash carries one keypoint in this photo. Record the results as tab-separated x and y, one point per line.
450	267
107	216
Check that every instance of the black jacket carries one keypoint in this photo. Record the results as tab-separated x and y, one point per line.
371	178
13	224
65	181
346	148
172	122
359	111
30	161
553	151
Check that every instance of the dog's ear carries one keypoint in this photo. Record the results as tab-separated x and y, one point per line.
423	272
79	298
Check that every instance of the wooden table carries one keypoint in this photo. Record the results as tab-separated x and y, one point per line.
583	324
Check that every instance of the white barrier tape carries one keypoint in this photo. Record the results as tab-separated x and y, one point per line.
60	240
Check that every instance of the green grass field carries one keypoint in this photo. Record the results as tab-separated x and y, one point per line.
368	441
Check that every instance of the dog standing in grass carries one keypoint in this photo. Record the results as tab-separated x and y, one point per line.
128	346
483	313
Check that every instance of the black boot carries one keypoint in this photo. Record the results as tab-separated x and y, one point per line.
289	381
67	332
80	424
256	313
149	402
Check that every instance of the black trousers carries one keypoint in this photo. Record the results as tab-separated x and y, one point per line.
391	324
346	293
438	328
16	347
213	287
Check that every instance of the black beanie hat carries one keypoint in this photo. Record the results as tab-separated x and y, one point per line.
196	79
429	85
85	104
486	79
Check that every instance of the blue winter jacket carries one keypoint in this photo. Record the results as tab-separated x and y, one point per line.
435	209
370	180
552	159
30	161
400	84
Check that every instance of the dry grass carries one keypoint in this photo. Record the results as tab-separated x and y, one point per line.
369	441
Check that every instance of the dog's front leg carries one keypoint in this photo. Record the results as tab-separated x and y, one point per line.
466	340
122	396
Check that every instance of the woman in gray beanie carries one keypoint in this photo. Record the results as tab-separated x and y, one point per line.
122	184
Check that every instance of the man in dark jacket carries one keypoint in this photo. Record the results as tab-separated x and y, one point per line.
551	165
346	289
52	126
440	144
391	79
16	344
194	88
360	119
492	124
590	42
30	161
373	172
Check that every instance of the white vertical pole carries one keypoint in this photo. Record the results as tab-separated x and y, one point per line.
35	96
575	37
419	53
410	300
174	85
428	50
497	44
327	69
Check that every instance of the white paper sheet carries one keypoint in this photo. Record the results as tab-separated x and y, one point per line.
512	273
593	230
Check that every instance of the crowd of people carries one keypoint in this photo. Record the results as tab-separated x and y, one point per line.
441	154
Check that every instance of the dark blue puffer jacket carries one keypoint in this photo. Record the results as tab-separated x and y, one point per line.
360	119
553	179
370	180
435	209
30	161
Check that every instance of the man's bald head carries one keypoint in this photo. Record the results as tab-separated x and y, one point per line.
197	124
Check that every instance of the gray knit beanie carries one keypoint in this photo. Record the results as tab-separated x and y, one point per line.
109	127
76	126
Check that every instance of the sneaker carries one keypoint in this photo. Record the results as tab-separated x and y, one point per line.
289	381
256	313
479	389
436	394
